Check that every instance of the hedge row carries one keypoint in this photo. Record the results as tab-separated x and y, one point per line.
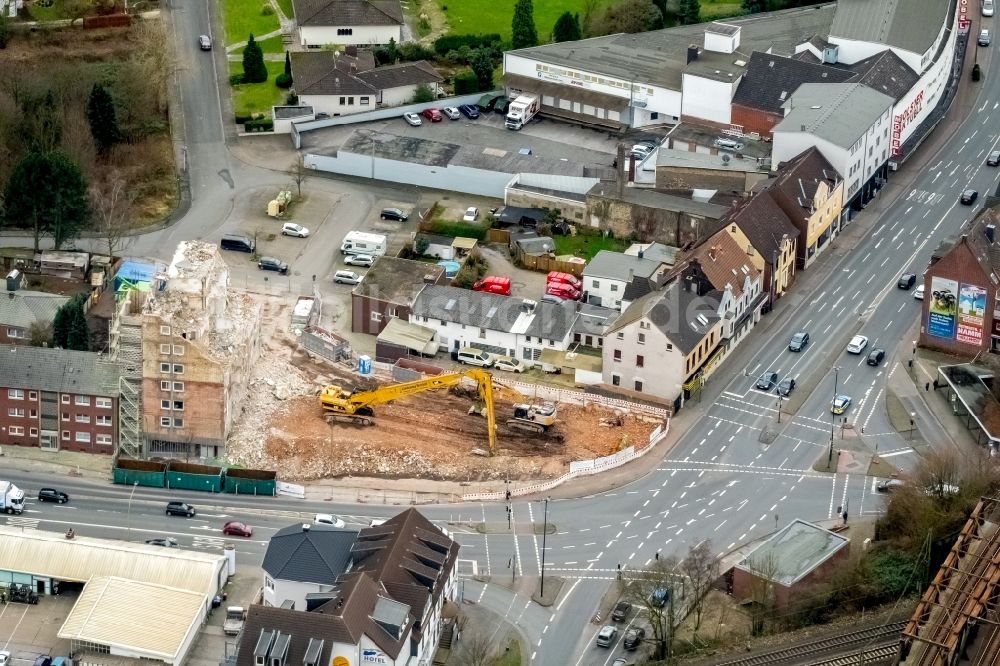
446	43
453	229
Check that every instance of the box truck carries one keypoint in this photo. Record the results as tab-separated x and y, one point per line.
521	110
11	498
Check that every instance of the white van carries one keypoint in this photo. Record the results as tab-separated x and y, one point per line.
360	242
473	356
987	7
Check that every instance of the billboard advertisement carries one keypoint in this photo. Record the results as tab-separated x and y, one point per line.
971	314
942	308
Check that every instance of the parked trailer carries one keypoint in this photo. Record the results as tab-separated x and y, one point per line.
325	344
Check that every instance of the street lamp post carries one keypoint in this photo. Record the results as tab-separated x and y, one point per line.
913	416
779	408
128	519
833	417
545	531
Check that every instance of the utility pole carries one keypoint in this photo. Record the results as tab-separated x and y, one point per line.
545	531
129	517
833	417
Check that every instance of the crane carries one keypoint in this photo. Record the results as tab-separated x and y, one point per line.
344	405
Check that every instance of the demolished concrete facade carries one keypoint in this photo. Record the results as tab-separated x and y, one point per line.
200	342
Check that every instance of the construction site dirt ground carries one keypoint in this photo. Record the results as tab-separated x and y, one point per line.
429	435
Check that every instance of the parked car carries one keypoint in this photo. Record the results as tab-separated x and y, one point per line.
394	214
798	341
984	37
471	213
622	661
987	8
237	528
552	298
432	115
562	290
365	260
607	635
918	293
292	229
786	386
180	509
322	115
508	364
166	542
659	597
565	278
473	356
875	357
4	658
52	495
906	281
43	660
633	638
840	404
857	344
470	111
969	197
412	119
621	611
346	277
272	264
993	159
767	381
452	112
328	519
205	42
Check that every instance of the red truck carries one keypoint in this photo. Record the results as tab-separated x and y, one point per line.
494	285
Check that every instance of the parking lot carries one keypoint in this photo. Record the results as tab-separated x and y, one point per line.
27	631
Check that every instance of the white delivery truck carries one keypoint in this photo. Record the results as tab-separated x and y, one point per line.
521	110
360	242
11	498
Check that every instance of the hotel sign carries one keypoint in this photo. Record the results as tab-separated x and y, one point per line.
963	17
900	122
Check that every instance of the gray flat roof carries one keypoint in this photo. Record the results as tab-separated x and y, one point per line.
680	159
659	57
911	25
793	552
706	136
839	112
653	199
619	266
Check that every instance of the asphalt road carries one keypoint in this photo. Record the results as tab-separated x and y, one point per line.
735	475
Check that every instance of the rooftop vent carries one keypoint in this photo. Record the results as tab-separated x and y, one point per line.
450	305
703	320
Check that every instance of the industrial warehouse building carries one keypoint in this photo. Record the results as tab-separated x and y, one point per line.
173	588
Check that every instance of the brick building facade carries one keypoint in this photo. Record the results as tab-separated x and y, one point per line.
58	399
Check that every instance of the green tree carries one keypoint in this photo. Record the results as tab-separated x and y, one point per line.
78	334
522	26
626	16
753	6
46	193
288	63
690	12
60	326
482	66
4	28
567	28
254	70
41	122
102	119
422	94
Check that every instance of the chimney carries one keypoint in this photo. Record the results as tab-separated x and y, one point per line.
641	253
692	53
991	233
711	252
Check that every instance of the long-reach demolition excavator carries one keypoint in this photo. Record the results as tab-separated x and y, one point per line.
356	407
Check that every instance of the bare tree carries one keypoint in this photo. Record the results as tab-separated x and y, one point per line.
652	592
476	648
299	173
39	334
701	567
764	570
112	203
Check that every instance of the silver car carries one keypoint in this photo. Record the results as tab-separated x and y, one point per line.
346	277
205	43
412	119
451	112
365	260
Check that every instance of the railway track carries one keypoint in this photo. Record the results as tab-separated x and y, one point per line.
800	654
876	656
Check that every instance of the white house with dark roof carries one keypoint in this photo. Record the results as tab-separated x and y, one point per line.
348	22
304	559
608	273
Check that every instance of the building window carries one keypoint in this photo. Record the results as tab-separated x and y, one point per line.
15	394
345	31
614	287
596	284
165	349
164	404
641	338
17	412
670	347
103	403
103	420
32	395
178	369
268	583
65	434
82	418
15	430
164	386
644	325
65	416
165	421
343	101
621	335
364	101
164	367
179	405
639	360
33	432
178	386
104	440
376	316
616	380
16	333
164	330
178	350
33	413
82	400
638	385
350	101
83	437
390	312
178	423
617	355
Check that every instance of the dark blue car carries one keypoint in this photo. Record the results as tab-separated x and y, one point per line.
469	111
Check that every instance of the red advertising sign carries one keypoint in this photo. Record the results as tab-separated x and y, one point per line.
963	16
901	121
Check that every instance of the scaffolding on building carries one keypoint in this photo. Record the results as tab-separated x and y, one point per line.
126	351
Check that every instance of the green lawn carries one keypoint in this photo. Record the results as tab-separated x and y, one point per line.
257	97
45	13
475	17
286	7
242	17
587	246
512	657
269	45
713	10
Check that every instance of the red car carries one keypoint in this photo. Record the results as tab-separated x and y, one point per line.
237	528
432	115
562	290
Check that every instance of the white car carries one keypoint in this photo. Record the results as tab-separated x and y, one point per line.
4	658
328	519
452	112
508	364
346	277
413	119
471	213
857	344
365	260
918	293
292	229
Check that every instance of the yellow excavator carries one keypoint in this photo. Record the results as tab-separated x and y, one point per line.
356	407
